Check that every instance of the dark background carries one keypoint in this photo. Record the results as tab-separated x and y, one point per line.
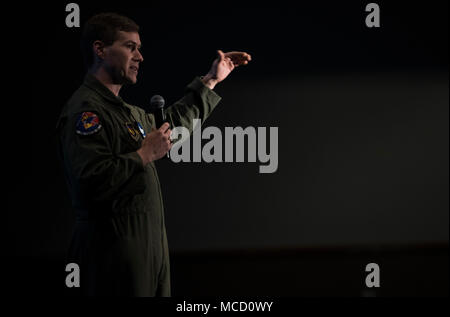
363	172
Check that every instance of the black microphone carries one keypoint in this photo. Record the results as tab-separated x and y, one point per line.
157	104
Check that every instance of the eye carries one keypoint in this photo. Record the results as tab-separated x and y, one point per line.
131	47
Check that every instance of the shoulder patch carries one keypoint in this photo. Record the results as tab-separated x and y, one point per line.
88	123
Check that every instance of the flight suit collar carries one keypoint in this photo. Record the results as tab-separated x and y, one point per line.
94	84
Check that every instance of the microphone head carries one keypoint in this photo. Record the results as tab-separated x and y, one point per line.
157	102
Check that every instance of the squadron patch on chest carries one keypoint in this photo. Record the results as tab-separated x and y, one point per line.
88	123
133	132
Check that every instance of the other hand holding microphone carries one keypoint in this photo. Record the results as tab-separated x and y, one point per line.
156	144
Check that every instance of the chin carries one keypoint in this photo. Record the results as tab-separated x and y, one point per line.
130	80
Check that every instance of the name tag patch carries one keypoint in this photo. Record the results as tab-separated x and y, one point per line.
133	132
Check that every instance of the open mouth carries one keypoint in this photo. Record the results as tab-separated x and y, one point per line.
134	69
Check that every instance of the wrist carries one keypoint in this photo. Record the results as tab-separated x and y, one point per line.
209	81
144	159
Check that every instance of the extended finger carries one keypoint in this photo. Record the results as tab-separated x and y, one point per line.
240	62
164	127
239	56
167	133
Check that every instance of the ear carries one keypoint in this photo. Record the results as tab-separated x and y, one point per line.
99	49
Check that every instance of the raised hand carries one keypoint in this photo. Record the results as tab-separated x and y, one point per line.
223	65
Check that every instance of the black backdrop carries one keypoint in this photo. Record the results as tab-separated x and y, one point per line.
362	117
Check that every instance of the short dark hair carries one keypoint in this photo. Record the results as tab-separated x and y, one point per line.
103	27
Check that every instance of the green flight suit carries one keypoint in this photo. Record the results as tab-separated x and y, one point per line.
119	239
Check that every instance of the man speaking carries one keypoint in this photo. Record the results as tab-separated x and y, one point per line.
108	149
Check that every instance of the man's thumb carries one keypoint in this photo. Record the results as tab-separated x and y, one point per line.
220	55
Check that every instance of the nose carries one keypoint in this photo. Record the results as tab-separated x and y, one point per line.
138	56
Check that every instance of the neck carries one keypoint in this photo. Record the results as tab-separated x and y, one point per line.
105	78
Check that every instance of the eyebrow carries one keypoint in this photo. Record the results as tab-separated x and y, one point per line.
133	42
